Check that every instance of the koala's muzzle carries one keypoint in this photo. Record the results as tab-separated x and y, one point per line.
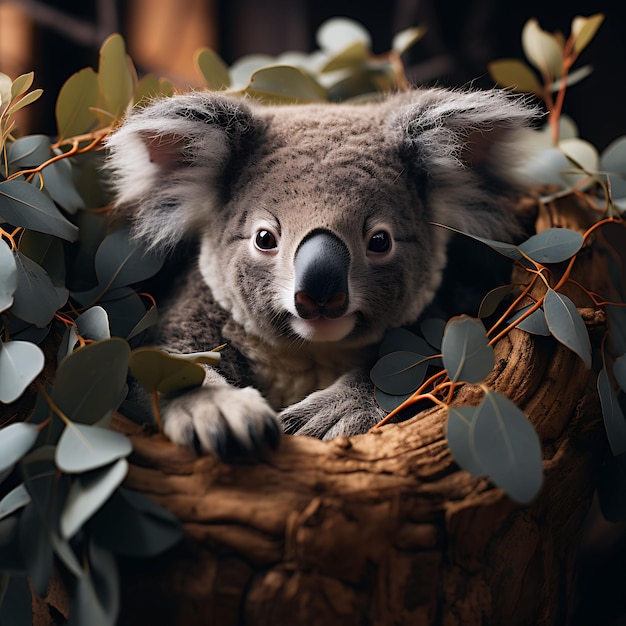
321	266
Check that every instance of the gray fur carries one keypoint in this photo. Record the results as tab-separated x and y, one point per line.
223	169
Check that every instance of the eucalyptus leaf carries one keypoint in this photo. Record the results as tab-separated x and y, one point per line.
36	299
149	319
115	77
493	299
572	79
88	493
535	323
16	499
121	260
467	355
460	442
614	419
65	552
89	381
59	183
125	309
566	325
433	329
212	68
47	251
15	441
77	98
96	597
406	39
131	525
284	80
150	87
584	30
619	371
552	245
389	402
398	373
207	357
506	249
36	548
29	151
354	54
93	324
613	161
400	339
22	204
8	276
29	98
542	49
507	447
22	84
16	607
338	33
514	74
20	363
160	371
582	154
243	68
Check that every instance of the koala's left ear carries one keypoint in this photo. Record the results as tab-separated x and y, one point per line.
464	148
167	159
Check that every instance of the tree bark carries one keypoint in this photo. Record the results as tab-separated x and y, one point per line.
381	528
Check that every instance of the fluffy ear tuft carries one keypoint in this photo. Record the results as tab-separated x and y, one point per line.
465	148
166	161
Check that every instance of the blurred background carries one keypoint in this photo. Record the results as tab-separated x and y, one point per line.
58	37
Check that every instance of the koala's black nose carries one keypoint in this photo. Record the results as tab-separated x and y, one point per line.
321	267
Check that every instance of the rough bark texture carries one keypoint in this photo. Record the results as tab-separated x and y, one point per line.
382	528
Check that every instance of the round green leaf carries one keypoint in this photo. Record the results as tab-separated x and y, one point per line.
36	299
619	371
459	435
535	323
514	74
125	309
157	370
8	276
285	81
242	69
388	402
580	154
613	161
15	441
83	448
566	325
467	355
47	252
584	30
433	328
507	447
614	419
115	77
542	49
338	33
20	363
398	373
90	380
88	493
552	245
493	299
29	151
572	79
406	39
121	260
22	204
212	68
131	525
22	84
78	96
59	183
400	339
347	58
94	324
14	500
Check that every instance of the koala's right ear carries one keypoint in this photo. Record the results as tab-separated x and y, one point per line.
166	161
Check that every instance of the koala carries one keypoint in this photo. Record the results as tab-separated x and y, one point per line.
315	229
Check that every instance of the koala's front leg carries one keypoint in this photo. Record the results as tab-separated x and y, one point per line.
220	419
347	407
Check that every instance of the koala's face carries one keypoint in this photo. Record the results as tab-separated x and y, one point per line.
315	221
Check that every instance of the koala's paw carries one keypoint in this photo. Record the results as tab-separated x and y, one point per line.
326	416
226	421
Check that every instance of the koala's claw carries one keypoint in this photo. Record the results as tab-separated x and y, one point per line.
225	421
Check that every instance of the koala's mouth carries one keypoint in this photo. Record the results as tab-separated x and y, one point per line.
323	329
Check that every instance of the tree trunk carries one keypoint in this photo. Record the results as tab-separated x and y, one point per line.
381	528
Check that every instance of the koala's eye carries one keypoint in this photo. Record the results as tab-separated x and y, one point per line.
379	242
265	240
